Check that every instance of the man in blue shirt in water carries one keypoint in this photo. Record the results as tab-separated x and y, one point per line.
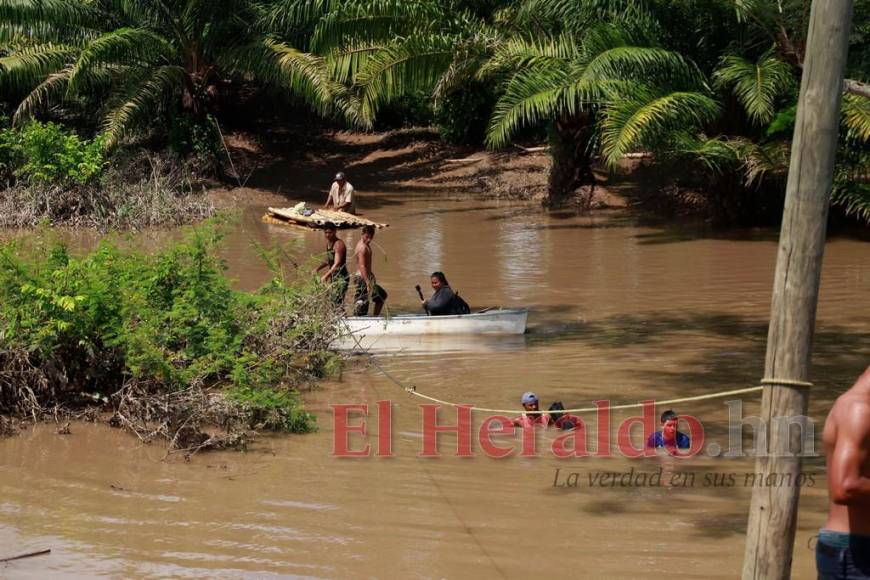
669	437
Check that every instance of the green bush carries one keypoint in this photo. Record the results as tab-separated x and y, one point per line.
412	110
168	322
48	153
198	140
463	115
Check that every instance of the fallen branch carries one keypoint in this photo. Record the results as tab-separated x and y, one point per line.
464	160
856	88
531	149
27	555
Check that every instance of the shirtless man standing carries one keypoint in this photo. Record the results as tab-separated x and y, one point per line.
367	288
843	550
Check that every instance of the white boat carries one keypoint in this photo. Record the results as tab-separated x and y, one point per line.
495	321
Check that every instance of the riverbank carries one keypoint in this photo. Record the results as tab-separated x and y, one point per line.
158	343
299	163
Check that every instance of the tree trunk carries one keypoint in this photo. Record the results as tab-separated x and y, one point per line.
571	150
770	531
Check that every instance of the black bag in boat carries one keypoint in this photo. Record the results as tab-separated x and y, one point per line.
459	305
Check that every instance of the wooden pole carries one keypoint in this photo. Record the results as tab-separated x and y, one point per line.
773	512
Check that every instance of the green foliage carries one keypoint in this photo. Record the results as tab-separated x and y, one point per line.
48	153
273	409
143	60
197	139
463	114
756	84
170	320
411	110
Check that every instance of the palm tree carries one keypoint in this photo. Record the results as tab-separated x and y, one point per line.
757	84
141	58
600	87
591	84
384	49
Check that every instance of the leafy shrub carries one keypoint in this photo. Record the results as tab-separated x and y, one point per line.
463	115
273	408
162	325
48	153
196	139
411	110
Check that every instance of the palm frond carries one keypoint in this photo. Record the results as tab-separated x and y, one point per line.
634	123
284	67
345	64
716	154
29	66
645	64
287	16
856	117
123	46
577	16
537	95
48	91
521	51
59	21
755	84
141	100
378	21
403	66
470	56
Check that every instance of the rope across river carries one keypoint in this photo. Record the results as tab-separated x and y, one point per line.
412	390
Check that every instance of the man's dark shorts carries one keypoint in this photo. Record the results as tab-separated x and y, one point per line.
361	297
337	289
841	556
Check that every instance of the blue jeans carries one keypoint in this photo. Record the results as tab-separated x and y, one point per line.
842	556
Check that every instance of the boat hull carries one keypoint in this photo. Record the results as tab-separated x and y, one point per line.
503	321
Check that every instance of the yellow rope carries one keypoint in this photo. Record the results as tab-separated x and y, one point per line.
786	382
413	391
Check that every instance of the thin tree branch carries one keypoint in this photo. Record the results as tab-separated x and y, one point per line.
856	88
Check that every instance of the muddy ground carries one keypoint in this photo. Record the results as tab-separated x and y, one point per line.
414	162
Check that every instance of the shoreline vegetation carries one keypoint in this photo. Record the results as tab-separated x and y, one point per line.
52	176
707	92
127	115
159	344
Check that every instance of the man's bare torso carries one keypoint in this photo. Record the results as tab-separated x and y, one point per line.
854	518
363	258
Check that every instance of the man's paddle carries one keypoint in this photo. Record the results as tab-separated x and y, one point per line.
420	294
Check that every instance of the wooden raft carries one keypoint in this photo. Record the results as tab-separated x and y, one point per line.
319	219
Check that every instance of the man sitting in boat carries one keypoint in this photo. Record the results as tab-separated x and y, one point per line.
444	301
336	274
367	288
341	195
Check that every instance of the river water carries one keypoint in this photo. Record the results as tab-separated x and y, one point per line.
619	311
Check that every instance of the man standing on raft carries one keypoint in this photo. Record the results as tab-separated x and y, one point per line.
843	549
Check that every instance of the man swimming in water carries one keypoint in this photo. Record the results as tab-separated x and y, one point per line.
843	549
530	418
668	437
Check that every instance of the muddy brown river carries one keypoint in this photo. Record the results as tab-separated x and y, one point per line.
619	312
